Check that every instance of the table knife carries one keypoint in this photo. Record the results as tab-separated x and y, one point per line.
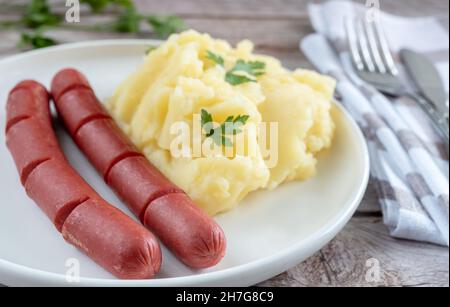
427	80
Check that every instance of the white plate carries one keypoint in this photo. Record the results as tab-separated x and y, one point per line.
267	234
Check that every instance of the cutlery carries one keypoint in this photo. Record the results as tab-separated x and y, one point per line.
427	79
375	64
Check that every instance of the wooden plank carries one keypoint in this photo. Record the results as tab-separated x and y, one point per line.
354	253
277	37
282	34
261	8
280	9
252	9
281	41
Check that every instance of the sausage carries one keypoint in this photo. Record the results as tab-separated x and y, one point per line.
85	112
27	111
137	175
101	140
56	189
105	234
23	105
193	236
135	253
30	146
72	79
205	243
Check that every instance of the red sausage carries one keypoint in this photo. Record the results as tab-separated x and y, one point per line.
85	112
108	236
205	240
136	174
22	104
30	145
101	140
135	254
72	79
57	190
193	236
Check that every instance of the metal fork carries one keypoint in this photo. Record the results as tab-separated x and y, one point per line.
375	64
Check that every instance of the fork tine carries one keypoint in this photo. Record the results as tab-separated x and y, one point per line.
364	46
353	44
386	52
374	49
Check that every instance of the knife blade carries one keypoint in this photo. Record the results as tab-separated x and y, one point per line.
427	79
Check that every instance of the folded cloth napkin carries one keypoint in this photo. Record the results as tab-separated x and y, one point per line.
409	162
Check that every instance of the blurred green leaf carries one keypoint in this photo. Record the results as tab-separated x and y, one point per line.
35	41
128	22
98	6
163	26
38	14
150	49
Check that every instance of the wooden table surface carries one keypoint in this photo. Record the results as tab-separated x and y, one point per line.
276	27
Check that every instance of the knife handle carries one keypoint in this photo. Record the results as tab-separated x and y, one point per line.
439	121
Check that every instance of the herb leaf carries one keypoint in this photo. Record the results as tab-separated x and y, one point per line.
231	126
150	49
215	58
35	41
234	79
37	14
238	122
99	5
163	26
128	21
253	68
207	121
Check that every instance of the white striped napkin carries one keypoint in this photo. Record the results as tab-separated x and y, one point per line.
409	162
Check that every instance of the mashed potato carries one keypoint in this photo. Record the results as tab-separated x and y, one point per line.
178	80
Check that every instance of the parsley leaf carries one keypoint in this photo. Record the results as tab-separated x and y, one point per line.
234	79
215	58
150	49
207	121
37	14
253	68
238	122
35	41
128	21
163	26
99	5
231	126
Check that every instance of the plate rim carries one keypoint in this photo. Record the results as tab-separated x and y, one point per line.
82	44
320	238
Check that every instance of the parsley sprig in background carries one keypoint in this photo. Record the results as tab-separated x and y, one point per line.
38	16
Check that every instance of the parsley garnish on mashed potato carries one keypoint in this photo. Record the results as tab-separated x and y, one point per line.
188	74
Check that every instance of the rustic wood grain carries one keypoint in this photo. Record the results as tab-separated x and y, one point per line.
347	260
276	27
